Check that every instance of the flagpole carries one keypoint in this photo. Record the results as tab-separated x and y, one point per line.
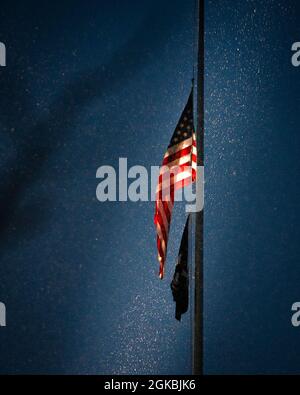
198	298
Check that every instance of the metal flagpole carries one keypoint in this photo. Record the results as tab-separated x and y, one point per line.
198	298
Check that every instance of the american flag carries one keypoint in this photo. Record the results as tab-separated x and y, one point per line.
178	170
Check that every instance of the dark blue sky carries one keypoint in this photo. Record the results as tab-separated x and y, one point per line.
86	84
252	235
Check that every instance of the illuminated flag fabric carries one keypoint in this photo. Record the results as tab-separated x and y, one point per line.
180	282
178	170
